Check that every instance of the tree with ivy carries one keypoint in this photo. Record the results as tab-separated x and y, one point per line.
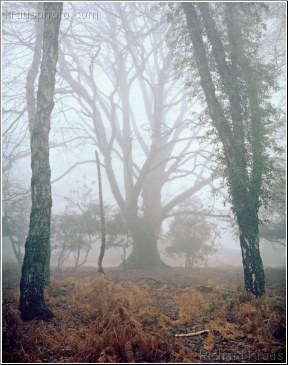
221	42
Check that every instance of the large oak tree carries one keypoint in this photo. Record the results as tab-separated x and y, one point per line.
136	115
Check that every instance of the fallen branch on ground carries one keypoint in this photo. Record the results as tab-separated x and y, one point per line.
192	333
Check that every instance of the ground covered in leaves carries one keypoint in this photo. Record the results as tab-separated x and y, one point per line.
134	316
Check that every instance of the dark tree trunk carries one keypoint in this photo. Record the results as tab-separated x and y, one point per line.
244	190
37	246
254	276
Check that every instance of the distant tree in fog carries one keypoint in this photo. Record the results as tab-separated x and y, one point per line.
16	205
138	120
117	91
74	233
273	220
191	236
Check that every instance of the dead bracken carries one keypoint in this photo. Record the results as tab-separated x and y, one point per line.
114	319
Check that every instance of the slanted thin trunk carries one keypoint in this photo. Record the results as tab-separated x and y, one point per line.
102	217
77	263
63	256
17	250
32	304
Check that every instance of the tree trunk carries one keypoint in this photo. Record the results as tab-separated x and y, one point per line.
245	191
102	217
254	276
32	304
145	252
145	230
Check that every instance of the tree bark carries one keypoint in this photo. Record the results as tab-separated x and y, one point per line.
32	304
254	276
244	192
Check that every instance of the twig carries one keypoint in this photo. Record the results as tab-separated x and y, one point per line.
228	290
192	333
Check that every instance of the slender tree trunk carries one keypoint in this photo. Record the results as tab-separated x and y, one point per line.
77	259
32	304
60	258
77	264
191	263
102	217
34	68
17	251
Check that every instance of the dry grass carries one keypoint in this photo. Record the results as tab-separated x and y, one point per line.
96	321
192	305
101	320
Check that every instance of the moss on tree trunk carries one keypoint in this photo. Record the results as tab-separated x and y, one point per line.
37	247
237	80
254	276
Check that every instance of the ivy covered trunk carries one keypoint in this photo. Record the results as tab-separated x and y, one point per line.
37	247
254	276
238	114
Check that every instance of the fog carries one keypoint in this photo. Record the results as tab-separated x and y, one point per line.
143	182
120	90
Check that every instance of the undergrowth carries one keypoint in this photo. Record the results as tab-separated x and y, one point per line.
100	320
97	321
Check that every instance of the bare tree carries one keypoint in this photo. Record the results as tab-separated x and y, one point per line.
136	114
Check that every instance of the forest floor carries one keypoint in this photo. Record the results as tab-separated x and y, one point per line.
134	316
